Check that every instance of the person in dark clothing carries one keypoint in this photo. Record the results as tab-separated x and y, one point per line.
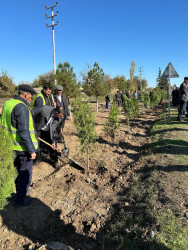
122	97
61	100
41	116
17	119
151	94
118	99
50	126
178	99
107	98
128	94
175	96
183	98
45	97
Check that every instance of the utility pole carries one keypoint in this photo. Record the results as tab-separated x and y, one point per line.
53	33
140	77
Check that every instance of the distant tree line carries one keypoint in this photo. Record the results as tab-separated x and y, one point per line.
94	81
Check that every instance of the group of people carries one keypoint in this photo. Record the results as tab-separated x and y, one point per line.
49	114
183	99
46	121
119	97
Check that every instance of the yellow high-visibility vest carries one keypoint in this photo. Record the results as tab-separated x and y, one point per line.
44	101
6	123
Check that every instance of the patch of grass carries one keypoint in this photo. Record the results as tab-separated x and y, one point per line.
172	232
169	231
148	202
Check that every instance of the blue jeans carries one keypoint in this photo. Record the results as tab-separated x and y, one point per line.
107	105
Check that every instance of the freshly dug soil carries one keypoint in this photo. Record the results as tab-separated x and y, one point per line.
70	206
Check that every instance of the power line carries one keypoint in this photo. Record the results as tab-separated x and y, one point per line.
53	32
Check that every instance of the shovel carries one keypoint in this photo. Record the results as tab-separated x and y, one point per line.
63	154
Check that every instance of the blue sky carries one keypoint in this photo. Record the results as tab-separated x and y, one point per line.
113	33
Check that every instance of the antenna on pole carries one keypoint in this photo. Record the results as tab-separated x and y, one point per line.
140	76
53	32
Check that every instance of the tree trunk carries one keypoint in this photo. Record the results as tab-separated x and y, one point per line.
88	158
97	105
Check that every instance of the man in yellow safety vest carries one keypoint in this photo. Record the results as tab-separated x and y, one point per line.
45	97
18	121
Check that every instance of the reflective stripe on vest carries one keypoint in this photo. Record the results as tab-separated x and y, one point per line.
16	132
6	122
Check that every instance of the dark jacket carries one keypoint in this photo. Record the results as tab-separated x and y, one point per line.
39	100
183	92
107	98
41	117
20	121
63	103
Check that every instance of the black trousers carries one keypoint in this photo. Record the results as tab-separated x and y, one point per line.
24	166
45	135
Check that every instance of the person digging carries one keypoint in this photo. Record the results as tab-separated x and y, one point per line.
50	126
51	133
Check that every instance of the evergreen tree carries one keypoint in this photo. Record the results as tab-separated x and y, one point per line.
95	84
67	78
130	106
7	169
84	120
145	98
158	77
157	96
112	124
162	83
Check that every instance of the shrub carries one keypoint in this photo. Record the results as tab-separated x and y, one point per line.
145	98
84	120
112	124
7	169
7	83
32	104
130	106
158	96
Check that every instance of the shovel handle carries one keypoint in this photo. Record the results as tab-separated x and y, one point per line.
46	143
53	147
61	153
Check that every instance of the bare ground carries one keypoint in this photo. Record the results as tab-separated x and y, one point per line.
71	206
